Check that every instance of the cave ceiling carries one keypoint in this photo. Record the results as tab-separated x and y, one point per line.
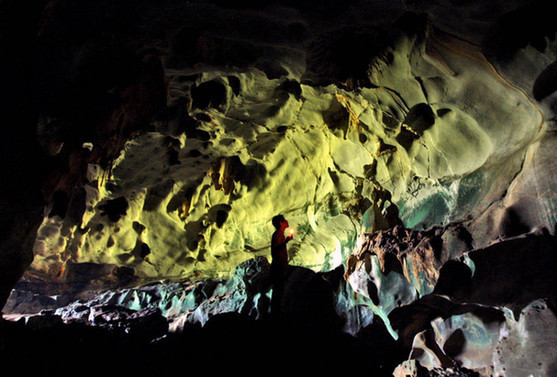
163	136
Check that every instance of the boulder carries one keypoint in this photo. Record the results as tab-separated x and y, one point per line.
528	347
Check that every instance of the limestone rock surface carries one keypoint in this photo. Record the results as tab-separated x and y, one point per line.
421	115
529	343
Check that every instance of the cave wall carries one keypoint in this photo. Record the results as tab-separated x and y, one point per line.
164	138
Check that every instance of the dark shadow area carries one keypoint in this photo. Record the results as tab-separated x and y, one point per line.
227	343
515	272
527	25
546	82
455	280
343	57
420	118
336	117
454	345
208	94
513	224
218	214
114	209
60	203
510	273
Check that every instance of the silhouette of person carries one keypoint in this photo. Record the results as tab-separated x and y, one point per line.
279	263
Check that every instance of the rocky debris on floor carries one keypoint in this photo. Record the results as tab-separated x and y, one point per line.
412	368
236	330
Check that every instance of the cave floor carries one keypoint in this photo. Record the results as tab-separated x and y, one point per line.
226	344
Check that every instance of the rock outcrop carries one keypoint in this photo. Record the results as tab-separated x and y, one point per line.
189	322
475	297
214	141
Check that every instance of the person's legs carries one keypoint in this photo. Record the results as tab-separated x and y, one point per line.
278	290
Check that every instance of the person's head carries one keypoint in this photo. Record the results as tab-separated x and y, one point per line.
279	221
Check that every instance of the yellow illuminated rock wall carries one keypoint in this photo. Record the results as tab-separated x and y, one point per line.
439	130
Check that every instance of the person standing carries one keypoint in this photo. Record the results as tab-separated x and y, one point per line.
279	262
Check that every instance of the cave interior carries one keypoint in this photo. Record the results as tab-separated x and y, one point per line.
148	145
